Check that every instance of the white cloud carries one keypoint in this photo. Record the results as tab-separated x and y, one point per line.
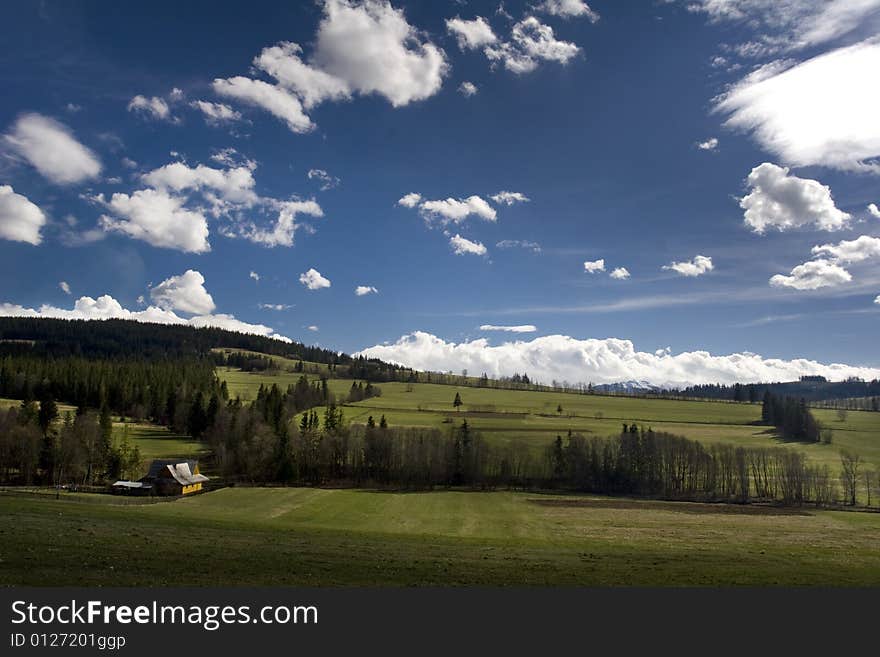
877	300
411	200
158	218
819	112
374	49
312	328
327	181
471	34
621	273
185	293
522	328
792	25
282	233
530	43
65	287
522	244
234	185
20	219
311	84
313	279
254	275
106	307
154	108
73	108
568	9
362	290
849	251
564	358
509	198
274	306
467	89
813	275
710	144
696	267
274	99
593	266
51	148
462	246
782	201
874	210
216	113
455	210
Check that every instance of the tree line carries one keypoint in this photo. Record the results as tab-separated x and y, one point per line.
80	450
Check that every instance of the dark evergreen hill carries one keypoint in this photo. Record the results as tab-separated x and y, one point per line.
118	338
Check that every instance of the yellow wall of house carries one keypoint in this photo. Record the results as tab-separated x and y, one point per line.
192	488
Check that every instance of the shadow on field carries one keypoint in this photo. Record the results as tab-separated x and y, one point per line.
698	508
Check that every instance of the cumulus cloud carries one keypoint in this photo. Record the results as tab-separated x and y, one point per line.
877	300
375	50
813	275
819	112
467	89
471	34
312	328
360	48
312	85
463	246
327	181
282	232
534	247
20	219
452	209
156	217
696	267
568	9
233	185
51	148
850	251
410	200
152	108
509	198
522	328
272	98
274	306
780	200
185	293
710	144
593	266
216	113
65	287
564	358
362	290
620	273
530	43
874	210
106	307
313	279
254	275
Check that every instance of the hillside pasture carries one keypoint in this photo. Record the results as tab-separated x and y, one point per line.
316	537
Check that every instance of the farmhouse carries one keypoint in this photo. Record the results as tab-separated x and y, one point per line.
166	477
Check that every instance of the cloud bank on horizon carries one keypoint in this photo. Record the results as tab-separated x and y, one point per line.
571	361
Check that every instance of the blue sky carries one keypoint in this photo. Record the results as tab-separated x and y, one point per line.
708	148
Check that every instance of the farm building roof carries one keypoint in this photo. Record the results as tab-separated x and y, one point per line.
131	484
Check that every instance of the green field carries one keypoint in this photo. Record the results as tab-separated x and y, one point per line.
156	441
531	418
300	536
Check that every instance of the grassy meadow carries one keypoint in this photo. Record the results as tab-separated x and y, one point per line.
317	537
532	418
